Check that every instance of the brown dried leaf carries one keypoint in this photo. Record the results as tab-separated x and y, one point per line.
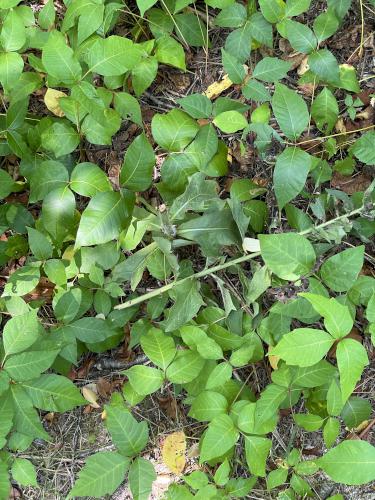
350	185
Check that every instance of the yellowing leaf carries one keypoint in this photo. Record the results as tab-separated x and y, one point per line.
173	452
217	88
51	100
274	360
91	396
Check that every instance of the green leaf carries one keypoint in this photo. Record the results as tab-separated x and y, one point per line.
276	478
187	302
91	18
22	281
196	105
300	36
143	74
351	360
196	338
6	184
232	16
102	474
20	332
257	450
268	403
46	16
219	375
303	346
351	462
158	347
340	271
5	484
112	56
308	421
219	438
271	69
272	10
26	419
331	431
290	111
144	380
141	476
260	29
128	107
230	121
59	60
325	111
58	212
208	405
363	148
144	5
334	399
340	7
356	411
104	218
173	131
199	195
88	179
39	244
60	138
233	67
138	165
48	176
23	471
337	318
191	30
127	434
324	64
168	51
296	7
185	367
53	393
288	255
290	174
13	34
11	66
29	365
325	25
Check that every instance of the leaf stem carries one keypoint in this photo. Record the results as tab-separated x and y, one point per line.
221	267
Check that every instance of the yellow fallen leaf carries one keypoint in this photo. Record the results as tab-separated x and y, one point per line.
217	88
274	360
89	394
51	100
173	452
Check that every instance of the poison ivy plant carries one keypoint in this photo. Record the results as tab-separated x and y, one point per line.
234	270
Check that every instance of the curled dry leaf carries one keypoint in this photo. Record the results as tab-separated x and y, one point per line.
89	393
217	88
173	452
51	100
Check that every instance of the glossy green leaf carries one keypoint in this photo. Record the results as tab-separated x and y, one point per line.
127	434
288	255
102	474
139	161
105	217
88	179
290	174
271	69
303	346
23	471
230	121
351	361
141	476
290	111
144	379
340	271
219	438
174	130
351	462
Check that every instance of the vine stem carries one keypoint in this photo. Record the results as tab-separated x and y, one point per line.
221	267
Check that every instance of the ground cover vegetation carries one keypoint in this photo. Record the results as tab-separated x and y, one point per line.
212	248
